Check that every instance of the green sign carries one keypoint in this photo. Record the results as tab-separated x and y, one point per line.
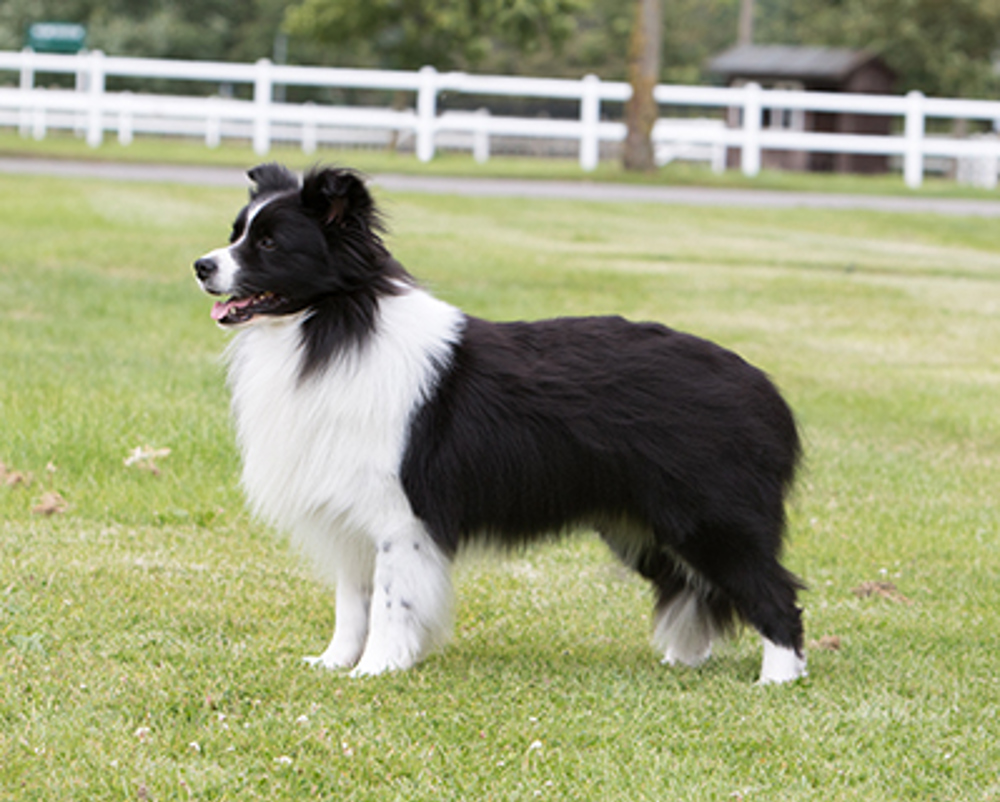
57	37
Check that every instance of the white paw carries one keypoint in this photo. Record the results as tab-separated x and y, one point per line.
374	662
781	664
394	652
369	670
333	659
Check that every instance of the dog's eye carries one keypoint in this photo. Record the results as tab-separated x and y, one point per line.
266	244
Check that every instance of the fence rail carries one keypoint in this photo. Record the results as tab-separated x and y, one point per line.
92	111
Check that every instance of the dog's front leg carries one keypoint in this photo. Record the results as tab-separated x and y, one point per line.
354	594
351	630
411	601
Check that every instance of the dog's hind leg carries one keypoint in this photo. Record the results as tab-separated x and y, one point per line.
765	597
686	616
690	613
683	628
759	589
411	600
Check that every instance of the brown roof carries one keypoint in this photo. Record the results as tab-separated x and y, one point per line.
785	62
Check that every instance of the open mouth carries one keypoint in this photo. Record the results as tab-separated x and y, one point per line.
241	310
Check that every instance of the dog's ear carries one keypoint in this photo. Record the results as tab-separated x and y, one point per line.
337	195
270	178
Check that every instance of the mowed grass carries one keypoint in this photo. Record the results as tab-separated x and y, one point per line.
151	632
236	153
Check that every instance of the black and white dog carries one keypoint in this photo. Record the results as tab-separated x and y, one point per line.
385	429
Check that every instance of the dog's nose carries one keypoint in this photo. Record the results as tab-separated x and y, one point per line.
204	269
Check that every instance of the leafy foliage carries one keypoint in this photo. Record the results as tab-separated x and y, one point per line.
941	47
449	34
193	29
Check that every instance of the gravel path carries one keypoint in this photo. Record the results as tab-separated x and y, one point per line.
518	188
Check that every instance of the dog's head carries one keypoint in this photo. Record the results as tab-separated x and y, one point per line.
296	245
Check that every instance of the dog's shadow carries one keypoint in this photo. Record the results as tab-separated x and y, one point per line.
595	663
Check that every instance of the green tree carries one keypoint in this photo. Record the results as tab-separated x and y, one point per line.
941	47
193	29
447	34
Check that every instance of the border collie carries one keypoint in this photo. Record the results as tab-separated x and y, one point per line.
385	429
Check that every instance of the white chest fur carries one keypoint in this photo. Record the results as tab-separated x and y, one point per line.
329	448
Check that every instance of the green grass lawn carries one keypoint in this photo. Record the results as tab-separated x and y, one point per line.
174	150
151	632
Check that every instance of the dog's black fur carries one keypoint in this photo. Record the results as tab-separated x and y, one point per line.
678	451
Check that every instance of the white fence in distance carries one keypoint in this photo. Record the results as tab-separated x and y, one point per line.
92	111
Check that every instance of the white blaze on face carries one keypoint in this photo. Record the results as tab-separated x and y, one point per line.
223	281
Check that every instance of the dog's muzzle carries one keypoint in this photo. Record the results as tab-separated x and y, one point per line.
205	269
216	272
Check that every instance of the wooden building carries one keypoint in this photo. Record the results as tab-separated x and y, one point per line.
818	69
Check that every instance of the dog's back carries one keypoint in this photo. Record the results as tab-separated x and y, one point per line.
538	426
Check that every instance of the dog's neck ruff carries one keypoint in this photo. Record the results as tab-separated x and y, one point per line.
326	449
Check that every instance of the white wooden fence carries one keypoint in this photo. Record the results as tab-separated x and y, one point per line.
92	111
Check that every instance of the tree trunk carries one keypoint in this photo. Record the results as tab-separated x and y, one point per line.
744	35
643	73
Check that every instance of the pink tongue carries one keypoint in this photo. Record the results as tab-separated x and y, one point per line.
223	308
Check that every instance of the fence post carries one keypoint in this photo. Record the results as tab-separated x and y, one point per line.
213	122
125	120
590	118
263	87
38	123
481	138
27	84
913	158
426	113
750	149
27	68
310	129
95	99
